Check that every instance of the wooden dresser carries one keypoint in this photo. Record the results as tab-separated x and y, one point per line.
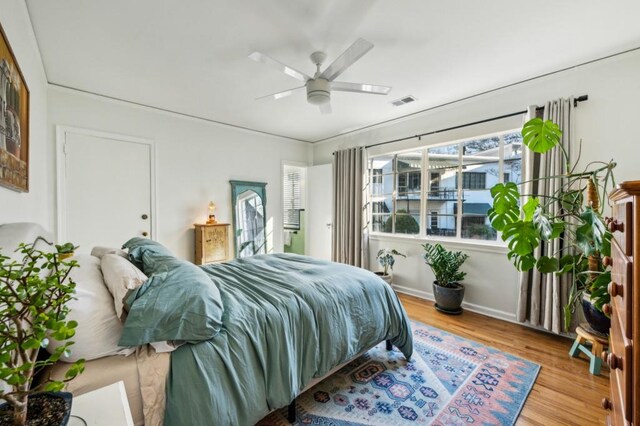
212	243
623	359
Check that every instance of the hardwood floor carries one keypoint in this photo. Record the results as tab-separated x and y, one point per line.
564	393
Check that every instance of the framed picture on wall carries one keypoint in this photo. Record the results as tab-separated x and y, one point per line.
14	121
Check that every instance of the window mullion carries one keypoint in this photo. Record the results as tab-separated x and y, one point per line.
423	188
460	185
501	160
394	193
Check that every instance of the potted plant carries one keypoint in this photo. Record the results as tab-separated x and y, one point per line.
33	298
65	250
445	266
572	216
386	260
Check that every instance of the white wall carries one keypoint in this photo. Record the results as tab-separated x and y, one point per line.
195	160
34	206
605	123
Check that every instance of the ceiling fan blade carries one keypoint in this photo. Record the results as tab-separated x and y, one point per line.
261	57
279	95
325	108
360	88
348	57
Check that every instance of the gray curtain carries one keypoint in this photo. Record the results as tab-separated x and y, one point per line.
542	296
349	239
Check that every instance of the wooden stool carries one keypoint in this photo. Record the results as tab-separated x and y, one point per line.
597	344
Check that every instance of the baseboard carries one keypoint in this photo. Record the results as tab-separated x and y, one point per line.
490	312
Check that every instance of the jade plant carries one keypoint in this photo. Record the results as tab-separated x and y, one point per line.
33	309
571	216
386	259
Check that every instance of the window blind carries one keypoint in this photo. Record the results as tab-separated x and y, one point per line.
292	196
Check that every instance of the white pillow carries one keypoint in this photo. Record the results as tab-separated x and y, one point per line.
99	328
120	276
99	251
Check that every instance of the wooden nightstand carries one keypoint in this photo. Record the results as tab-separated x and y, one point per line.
212	243
106	406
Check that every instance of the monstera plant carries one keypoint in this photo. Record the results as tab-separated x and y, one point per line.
571	216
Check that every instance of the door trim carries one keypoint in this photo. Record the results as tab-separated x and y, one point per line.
61	173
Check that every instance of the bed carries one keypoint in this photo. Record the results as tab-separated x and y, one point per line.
268	328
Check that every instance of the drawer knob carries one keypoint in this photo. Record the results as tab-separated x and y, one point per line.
614	361
615	289
607	261
606	404
145	233
614	226
607	309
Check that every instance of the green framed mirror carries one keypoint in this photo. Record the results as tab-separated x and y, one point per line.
249	201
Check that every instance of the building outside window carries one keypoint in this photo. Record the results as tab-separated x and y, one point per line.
459	173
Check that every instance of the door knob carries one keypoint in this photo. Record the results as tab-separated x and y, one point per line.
145	233
606	404
145	217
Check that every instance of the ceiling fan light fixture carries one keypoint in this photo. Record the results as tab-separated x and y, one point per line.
318	91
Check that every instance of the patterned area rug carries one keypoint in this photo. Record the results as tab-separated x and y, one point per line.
449	381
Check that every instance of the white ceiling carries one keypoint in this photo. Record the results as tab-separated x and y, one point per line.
191	56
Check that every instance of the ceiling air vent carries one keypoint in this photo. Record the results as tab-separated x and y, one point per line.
404	100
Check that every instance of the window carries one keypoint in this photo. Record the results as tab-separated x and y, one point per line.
396	193
292	195
474	180
457	174
376	176
433	221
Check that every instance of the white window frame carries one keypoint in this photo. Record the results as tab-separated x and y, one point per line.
425	211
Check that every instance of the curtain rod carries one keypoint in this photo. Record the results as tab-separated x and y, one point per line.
575	104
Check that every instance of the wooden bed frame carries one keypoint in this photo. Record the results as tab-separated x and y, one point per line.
291	409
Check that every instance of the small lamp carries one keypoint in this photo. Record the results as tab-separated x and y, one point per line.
211	217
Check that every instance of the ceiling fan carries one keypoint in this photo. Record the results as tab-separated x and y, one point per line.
319	86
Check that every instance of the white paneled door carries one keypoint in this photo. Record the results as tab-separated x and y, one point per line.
319	211
105	188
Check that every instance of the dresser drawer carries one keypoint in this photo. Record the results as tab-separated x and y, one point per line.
621	287
620	360
622	226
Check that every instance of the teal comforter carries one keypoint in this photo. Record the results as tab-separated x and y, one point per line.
286	319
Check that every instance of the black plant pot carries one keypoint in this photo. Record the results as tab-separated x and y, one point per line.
448	299
597	320
36	413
